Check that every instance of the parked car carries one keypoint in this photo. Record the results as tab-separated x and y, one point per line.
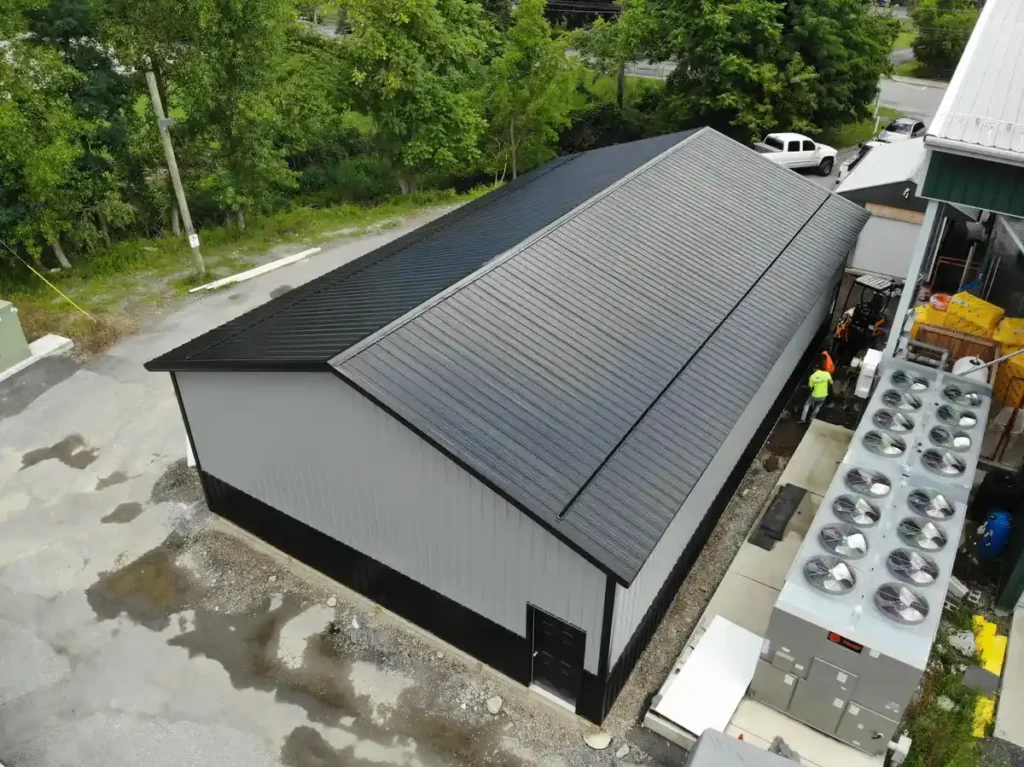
797	151
853	162
902	129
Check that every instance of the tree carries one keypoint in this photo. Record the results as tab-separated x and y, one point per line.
43	140
529	93
415	69
848	48
609	45
750	66
943	29
102	95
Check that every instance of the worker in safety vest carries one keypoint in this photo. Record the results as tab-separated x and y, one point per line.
818	383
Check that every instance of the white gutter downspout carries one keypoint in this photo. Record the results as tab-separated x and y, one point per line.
901	318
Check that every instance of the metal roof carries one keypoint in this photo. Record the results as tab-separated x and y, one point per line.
581	374
886	164
306	327
983	108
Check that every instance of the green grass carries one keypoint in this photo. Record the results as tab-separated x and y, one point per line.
605	88
906	37
915	68
858	132
944	738
120	285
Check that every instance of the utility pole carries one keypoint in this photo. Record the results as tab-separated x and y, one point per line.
878	97
172	167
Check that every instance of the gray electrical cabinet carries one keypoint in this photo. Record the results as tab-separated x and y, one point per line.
772	685
866	730
13	346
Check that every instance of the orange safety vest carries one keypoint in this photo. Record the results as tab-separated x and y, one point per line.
830	367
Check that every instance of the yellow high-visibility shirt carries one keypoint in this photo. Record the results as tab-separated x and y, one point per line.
819	382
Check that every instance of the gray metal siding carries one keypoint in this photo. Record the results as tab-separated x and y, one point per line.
631	604
884	247
310	446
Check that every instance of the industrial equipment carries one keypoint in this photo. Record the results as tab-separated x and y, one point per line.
852	629
13	346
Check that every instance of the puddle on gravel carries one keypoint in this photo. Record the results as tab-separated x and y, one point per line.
70	451
117	478
149	590
123	514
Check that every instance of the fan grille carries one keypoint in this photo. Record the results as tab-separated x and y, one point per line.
830	575
901	604
902	379
930	503
912	567
868	483
880	443
893	421
954	440
844	540
901	400
943	463
856	510
960	395
923	535
957	417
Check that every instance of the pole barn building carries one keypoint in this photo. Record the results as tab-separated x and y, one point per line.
516	425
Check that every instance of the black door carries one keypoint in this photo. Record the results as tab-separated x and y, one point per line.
558	651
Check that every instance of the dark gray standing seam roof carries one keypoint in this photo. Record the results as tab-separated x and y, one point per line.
306	327
591	374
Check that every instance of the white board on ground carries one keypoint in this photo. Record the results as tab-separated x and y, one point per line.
714	679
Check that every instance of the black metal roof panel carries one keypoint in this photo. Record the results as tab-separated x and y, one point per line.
653	471
311	324
539	371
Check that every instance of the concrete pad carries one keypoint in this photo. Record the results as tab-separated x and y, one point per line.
1010	712
817	457
743	601
769	568
41	348
804	515
815	748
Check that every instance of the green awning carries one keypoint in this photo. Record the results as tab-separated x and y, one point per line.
976	183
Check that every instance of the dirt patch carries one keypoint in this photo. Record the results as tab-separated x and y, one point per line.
785	437
237	297
149	590
305	747
123	514
117	478
280	291
70	451
92	335
178	483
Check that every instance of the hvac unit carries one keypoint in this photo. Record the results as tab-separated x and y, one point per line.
851	632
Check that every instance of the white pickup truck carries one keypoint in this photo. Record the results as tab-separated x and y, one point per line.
796	151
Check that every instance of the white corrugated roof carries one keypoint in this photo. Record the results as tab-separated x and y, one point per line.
983	108
886	164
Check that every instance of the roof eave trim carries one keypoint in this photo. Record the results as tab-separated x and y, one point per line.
159	365
976	151
391	327
551	528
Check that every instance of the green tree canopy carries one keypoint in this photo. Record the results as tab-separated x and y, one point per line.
609	45
750	66
529	92
943	29
415	69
